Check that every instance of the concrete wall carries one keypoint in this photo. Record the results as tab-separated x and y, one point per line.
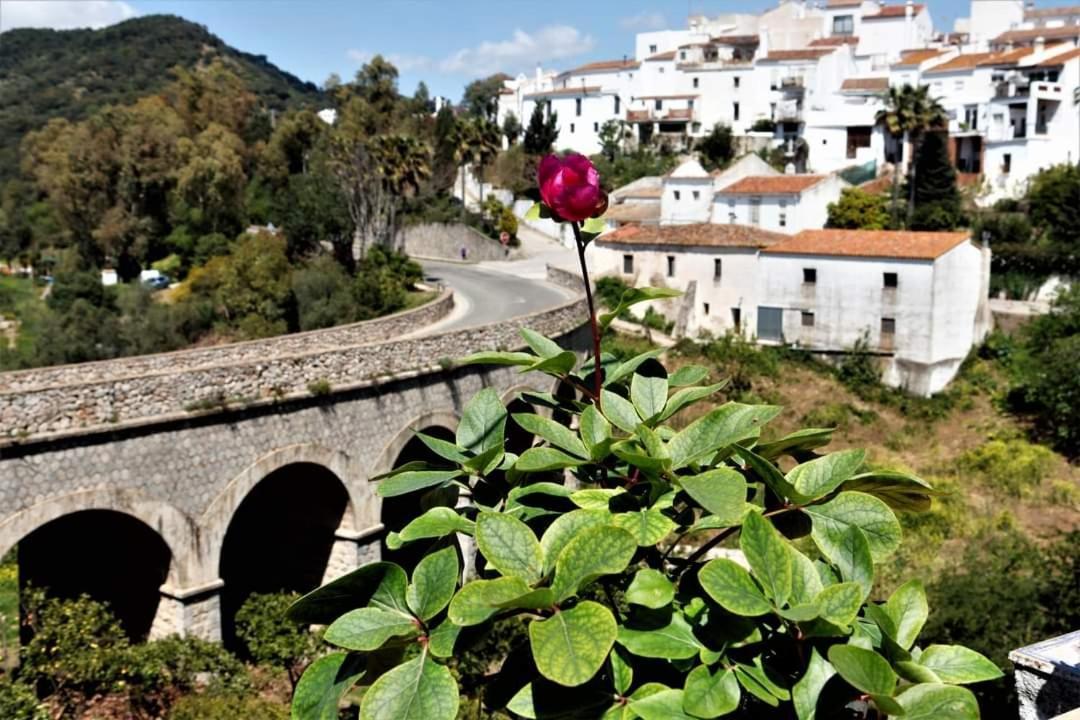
442	241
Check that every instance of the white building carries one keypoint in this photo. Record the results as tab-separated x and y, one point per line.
779	203
918	299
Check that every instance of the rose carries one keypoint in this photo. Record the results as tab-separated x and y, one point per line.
570	186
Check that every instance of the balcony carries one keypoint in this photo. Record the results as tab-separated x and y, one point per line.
788	111
792	86
672	115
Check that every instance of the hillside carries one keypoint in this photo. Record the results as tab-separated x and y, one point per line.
71	73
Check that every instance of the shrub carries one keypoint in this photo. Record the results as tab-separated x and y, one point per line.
323	294
320	387
217	707
271	638
838	415
741	361
18	701
1014	467
158	672
858	370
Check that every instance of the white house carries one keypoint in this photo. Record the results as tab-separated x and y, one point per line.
715	266
780	203
918	299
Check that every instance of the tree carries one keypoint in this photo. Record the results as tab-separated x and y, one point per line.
312	210
376	82
717	148
422	98
211	180
481	97
511	128
909	113
937	199
1054	199
542	132
858	210
324	294
611	138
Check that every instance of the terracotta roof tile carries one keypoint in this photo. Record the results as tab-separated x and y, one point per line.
1007	58
735	40
871	84
603	66
696	235
898	244
803	54
1059	59
894	11
1047	33
961	62
645	192
633	212
1053	12
566	92
669	55
877	185
912	58
835	41
843	3
771	185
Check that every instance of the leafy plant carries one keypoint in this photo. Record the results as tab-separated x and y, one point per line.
270	638
582	536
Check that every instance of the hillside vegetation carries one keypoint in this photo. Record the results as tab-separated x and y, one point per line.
71	74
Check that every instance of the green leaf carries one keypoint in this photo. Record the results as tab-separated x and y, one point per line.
648	394
595	432
558	365
419	689
674	641
483	422
914	672
821	476
664	705
767	553
887	705
433	583
510	546
730	585
594	226
647	526
688	375
619	411
685	397
435	523
769	474
632	297
728	424
755	688
549	489
627	367
721	491
622	674
444	449
539	599
899	491
571	646
806	691
957	665
651	589
757	671
935	702
805	581
710	696
369	628
490	357
602	550
323	685
542	346
480	599
908	610
380	583
564	529
533	213
441	640
413	480
485	462
832	519
543	459
595	498
839	604
863	669
798	441
852	558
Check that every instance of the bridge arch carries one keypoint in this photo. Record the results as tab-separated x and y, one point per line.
445	418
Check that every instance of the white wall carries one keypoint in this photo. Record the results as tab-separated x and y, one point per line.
694	202
805	211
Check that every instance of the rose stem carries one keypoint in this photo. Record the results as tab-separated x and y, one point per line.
592	311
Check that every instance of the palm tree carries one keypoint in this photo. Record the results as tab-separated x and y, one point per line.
909	113
488	143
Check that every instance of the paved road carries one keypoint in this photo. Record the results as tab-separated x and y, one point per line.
484	295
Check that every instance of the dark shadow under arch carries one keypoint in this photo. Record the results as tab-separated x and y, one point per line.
280	537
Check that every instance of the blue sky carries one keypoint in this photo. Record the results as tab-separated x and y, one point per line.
446	43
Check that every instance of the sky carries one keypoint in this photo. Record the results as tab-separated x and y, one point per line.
445	43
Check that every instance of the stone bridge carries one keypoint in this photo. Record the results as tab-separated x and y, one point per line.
174	485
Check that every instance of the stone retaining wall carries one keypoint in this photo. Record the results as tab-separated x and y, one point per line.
444	242
38	404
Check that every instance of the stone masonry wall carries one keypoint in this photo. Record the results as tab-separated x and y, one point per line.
444	241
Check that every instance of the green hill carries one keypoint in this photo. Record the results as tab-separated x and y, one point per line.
71	73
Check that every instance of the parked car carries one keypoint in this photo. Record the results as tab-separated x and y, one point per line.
157	282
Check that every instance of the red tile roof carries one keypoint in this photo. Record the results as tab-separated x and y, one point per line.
835	41
633	212
911	58
869	84
566	92
669	55
1059	59
645	192
894	11
803	54
696	235
878	185
843	3
603	66
1010	57
735	40
961	62
772	185
1047	33
897	244
1054	12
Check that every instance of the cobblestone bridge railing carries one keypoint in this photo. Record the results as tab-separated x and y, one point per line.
37	404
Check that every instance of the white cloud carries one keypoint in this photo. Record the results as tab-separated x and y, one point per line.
402	61
643	21
63	14
520	52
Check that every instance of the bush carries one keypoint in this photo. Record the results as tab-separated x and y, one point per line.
271	638
160	671
323	294
838	415
217	707
18	701
1014	467
859	371
742	361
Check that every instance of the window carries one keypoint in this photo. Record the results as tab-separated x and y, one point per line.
658	104
571	127
731	218
809	275
890	280
958	85
770	323
596	127
671	266
682	55
1006	163
735	81
717	268
661	69
690	104
678	194
783	213
735	111
843	25
755	211
696	194
705	308
807	319
736	318
858	137
577	106
696	84
652	49
627	264
888	326
618	101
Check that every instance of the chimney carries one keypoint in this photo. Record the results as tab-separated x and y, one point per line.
1040	45
909	9
763	41
539	74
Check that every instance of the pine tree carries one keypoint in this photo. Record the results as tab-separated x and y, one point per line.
937	199
541	134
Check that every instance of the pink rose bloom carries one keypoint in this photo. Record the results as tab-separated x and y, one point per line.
570	186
